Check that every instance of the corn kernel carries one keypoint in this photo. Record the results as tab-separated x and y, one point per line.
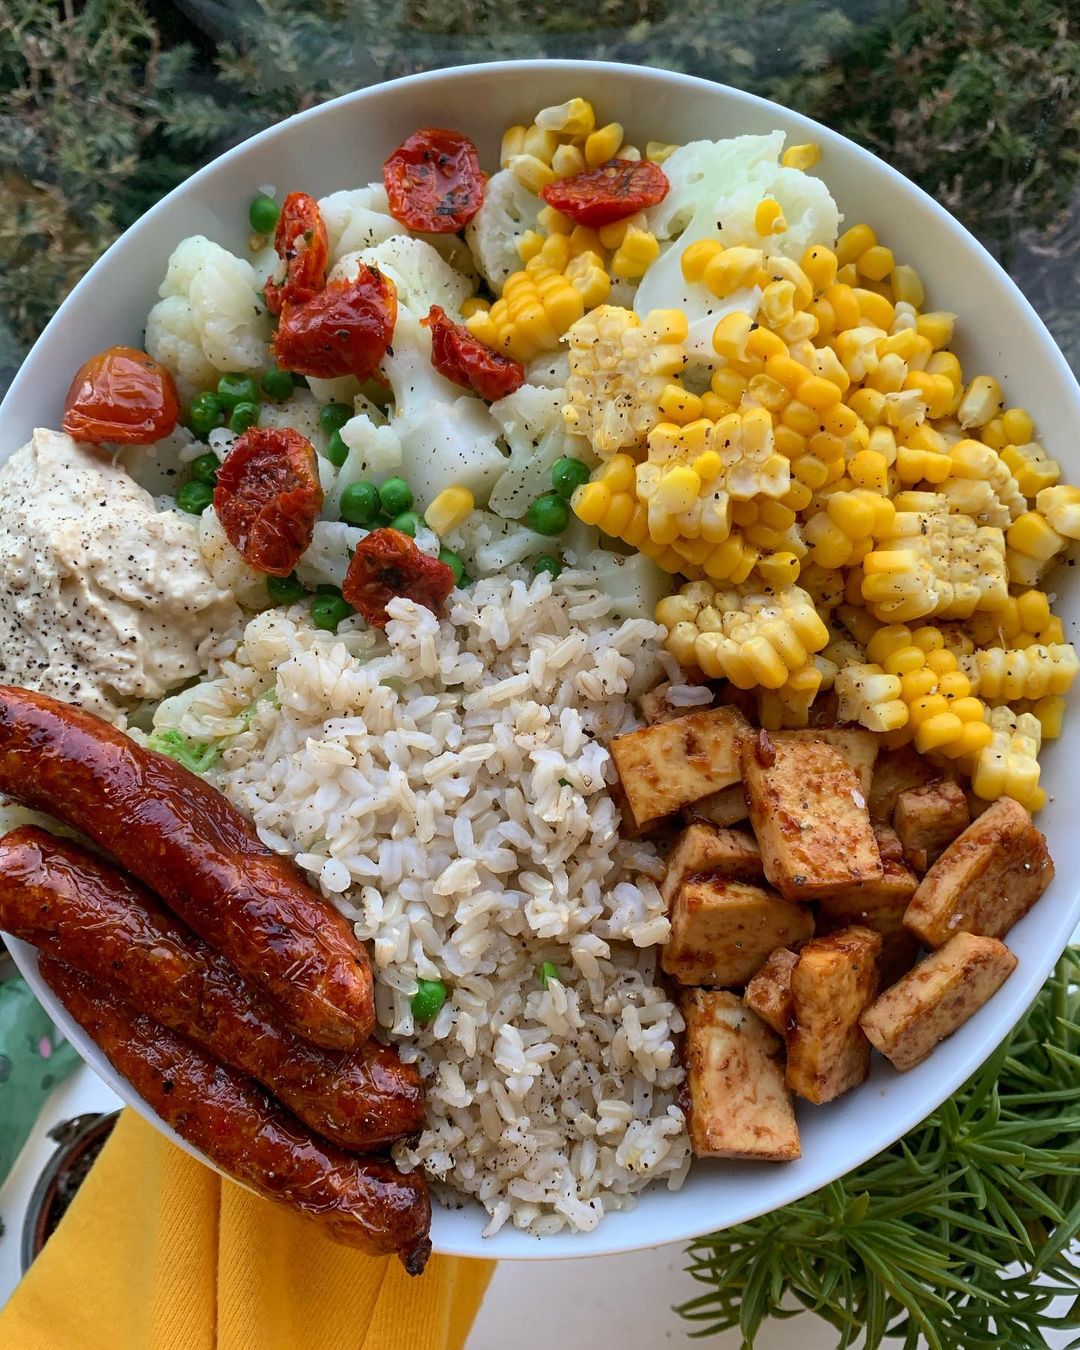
529	244
513	144
1018	426
658	151
732	269
567	161
532	173
937	327
907	286
554	222
769	217
730	336
540	143
451	508
635	254
1032	536
845	306
575	117
982	400
818	393
475	304
801	156
603	144
874	308
875	262
853	243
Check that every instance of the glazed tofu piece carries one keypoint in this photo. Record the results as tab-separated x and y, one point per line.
832	985
888	842
769	992
722	930
895	771
739	1105
654	705
667	766
858	747
928	818
726	807
809	814
704	848
937	997
879	905
987	879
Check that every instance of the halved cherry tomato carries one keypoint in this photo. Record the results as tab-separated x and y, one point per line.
121	395
301	243
268	497
388	563
459	356
434	181
344	329
615	190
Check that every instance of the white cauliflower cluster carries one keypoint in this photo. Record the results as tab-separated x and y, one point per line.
509	210
211	317
422	276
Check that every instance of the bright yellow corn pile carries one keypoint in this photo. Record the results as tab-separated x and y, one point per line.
1008	765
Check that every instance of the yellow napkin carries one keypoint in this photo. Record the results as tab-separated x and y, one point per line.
157	1252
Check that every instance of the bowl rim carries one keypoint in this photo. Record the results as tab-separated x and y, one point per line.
612	1236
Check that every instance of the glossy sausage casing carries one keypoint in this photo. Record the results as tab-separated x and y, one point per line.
362	1201
188	843
73	905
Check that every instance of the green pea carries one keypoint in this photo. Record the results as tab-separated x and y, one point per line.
284	590
244	415
277	384
204	414
455	562
234	389
205	469
549	564
263	214
408	523
549	514
194	497
360	504
428	1000
567	474
337	452
464	581
548	971
333	416
328	588
327	612
396	496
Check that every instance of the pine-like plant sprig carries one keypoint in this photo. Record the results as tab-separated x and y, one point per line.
959	1233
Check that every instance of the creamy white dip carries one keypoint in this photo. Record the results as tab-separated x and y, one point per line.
104	599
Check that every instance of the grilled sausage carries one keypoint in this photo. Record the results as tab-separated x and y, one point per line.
188	843
363	1202
74	906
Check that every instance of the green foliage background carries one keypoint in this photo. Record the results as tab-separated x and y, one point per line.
107	104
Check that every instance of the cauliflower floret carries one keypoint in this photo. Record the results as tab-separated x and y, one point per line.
550	370
509	210
227	567
325	561
447	438
374	455
489	545
299	411
357	218
422	277
211	317
160	467
532	424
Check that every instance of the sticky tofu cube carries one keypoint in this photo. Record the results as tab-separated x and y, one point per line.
987	878
726	807
888	842
894	771
832	985
938	996
879	905
929	818
809	814
858	747
722	930
704	848
739	1106
769	992
667	766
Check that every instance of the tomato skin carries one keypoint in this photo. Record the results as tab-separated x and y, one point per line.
344	329
121	395
434	181
388	563
462	358
615	190
268	497
302	244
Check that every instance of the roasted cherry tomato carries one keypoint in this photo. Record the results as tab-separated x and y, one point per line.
388	563
268	497
459	356
615	190
121	395
302	245
344	329
434	181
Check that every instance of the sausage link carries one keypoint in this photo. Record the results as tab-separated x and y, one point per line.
188	843
74	906
364	1202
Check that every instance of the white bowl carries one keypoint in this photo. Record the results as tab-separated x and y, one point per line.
342	144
